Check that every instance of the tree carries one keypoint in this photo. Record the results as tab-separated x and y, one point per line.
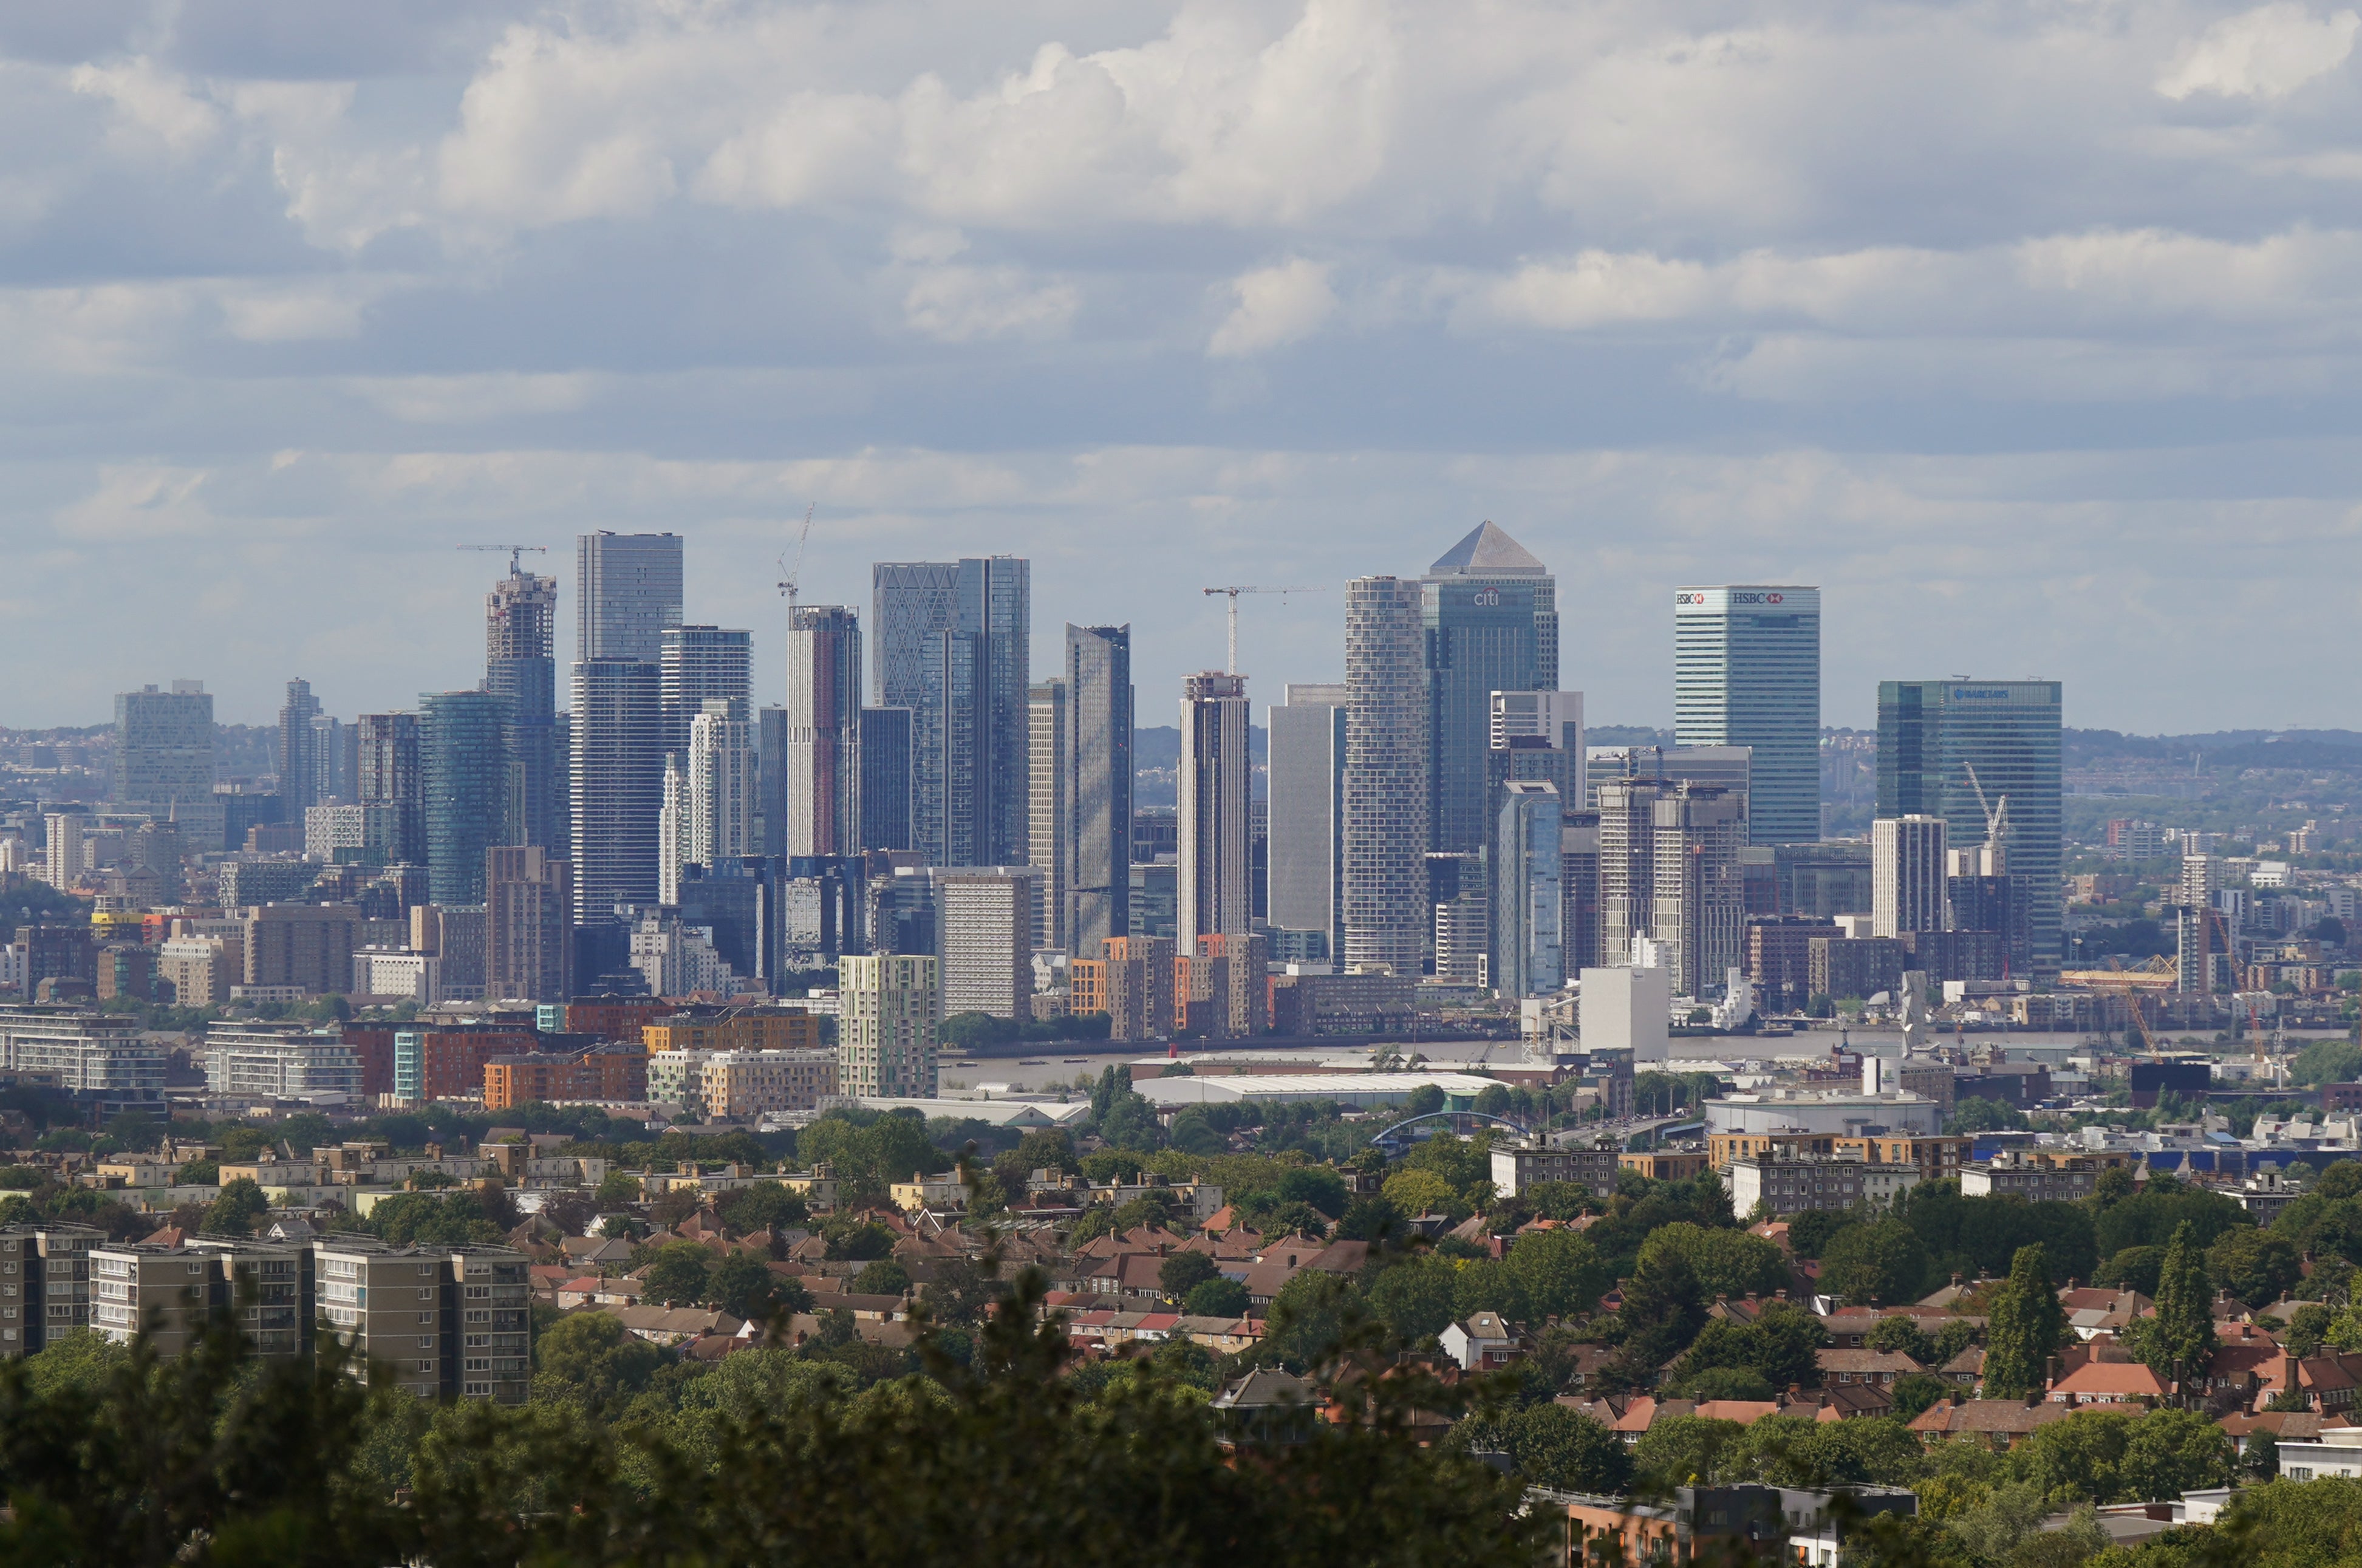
1972	1114
1683	1451
675	1276
1663	1312
590	1356
1424	1101
960	1293
1553	1446
1424	1192
1415	1296
1780	1346
2134	1268
2262	1459
1956	1335
881	1276
617	1190
2175	1341
2023	1329
2168	1452
234	1213
1809	1232
1183	1273
766	1206
1916	1391
1880	1262
1723	1263
1372	1220
1218	1298
1318	1186
742	1285
2254	1266
1563	1276
2115	1185
1901	1333
2307	1327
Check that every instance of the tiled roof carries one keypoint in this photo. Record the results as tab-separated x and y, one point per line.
2111	1378
2006	1417
1861	1360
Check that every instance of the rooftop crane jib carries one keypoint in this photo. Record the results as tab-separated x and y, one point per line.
1234	590
1996	824
517	553
788	580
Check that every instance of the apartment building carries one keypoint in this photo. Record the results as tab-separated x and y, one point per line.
87	1053
753	1082
734	1029
432	1321
265	1286
615	1073
44	1284
1517	1169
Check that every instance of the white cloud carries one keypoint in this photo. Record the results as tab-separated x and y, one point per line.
153	108
961	304
2267	52
139	502
1277	305
447	400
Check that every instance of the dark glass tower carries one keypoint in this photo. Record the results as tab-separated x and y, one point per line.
952	648
462	768
1490	618
521	675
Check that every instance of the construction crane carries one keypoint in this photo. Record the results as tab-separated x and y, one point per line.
517	553
1234	591
790	579
1996	825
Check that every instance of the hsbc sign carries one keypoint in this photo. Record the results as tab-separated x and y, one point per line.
1733	596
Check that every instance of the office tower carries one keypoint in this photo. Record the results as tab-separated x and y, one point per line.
388	771
1049	832
1529	948
1697	900
1099	712
1993	903
528	920
1212	896
1907	875
1490	614
521	675
822	792
1959	749
886	792
1627	866
1578	859
461	769
616	787
771	777
672	829
1306	772
1747	671
697	664
888	1009
164	746
332	760
628	592
952	648
985	926
299	763
1385	776
722	770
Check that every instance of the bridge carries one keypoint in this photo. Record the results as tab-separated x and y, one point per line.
1461	1122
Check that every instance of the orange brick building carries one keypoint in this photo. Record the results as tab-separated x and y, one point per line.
734	1029
609	1074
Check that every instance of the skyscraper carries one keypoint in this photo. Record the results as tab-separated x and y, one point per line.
1051	829
721	772
1489	611
696	665
1941	743
388	774
521	675
1536	737
1907	875
629	587
1098	700
1306	764
1385	776
1698	899
616	785
164	746
1529	948
890	1008
822	792
886	791
461	769
528	916
1747	671
1627	866
299	759
1213	894
952	648
985	933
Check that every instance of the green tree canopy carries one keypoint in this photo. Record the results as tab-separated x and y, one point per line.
2176	1340
742	1285
1882	1262
1901	1333
2023	1329
1184	1271
1218	1298
2254	1266
236	1210
675	1276
1723	1263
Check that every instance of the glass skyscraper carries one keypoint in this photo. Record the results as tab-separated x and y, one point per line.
520	674
951	640
616	760
462	768
1099	789
629	591
1747	671
1933	734
1489	612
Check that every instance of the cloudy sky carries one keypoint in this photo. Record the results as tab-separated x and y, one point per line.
2031	332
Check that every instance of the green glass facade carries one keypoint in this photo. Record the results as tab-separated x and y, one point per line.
463	766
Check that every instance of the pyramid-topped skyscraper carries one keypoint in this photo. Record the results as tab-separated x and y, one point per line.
1490	612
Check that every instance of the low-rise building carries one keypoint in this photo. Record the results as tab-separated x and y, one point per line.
279	1061
1520	1166
93	1054
615	1074
2031	1174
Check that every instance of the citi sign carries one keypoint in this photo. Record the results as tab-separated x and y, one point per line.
1486	597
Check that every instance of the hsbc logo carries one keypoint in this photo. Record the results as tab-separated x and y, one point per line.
1735	597
1689	598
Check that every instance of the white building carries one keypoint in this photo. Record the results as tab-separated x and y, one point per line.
1627	1009
676	959
1844	1114
2339	1452
83	1053
889	1009
986	937
391	972
280	1061
1907	875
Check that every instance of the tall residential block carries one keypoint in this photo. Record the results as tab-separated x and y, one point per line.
1528	947
164	746
299	757
1306	758
697	664
1907	875
1214	895
521	675
1746	672
1138	975
628	591
889	1010
722	785
1942	745
1385	776
462	767
1489	613
1697	896
822	793
984	932
1050	832
389	771
528	922
617	785
1099	709
886	790
952	646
